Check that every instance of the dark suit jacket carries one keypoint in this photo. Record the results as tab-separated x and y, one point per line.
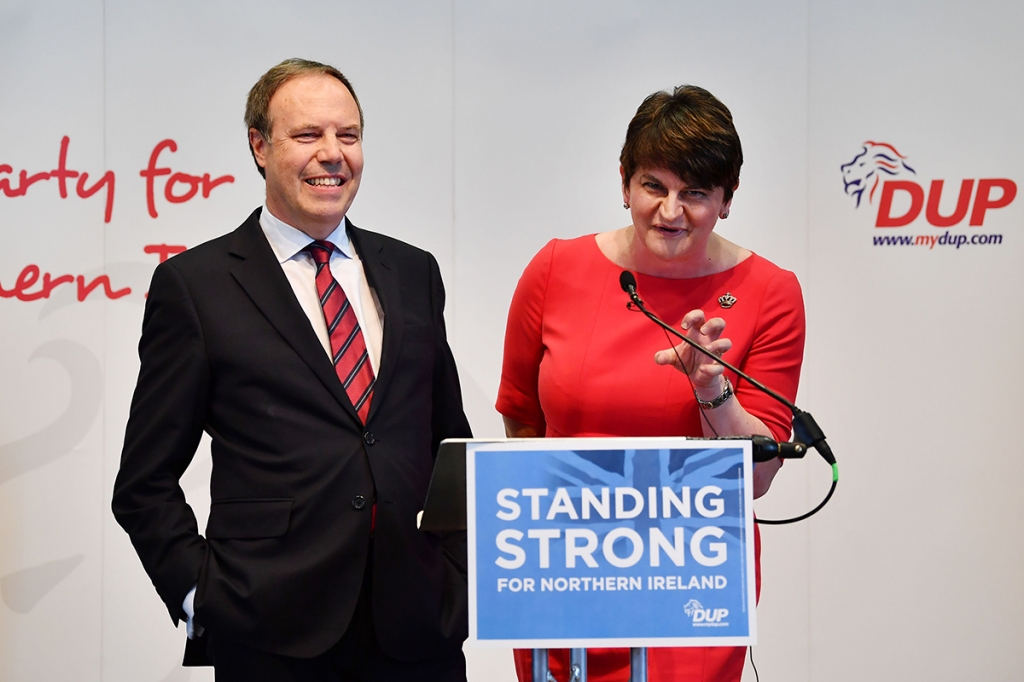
227	349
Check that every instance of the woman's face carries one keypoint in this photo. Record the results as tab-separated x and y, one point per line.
672	219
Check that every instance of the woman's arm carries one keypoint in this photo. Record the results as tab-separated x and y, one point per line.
708	381
731	419
514	429
518	392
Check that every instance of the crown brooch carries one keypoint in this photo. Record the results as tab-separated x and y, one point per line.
727	301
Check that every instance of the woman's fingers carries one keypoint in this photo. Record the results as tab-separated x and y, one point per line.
707	334
713	328
720	346
693	320
666	357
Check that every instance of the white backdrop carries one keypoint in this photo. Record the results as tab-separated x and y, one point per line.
492	127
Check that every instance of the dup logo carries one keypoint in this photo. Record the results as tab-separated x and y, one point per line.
702	616
881	172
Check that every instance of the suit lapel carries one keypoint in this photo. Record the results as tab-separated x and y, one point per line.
260	275
382	278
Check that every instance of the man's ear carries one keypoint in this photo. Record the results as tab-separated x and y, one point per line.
259	147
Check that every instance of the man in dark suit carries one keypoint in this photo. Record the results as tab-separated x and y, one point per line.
314	354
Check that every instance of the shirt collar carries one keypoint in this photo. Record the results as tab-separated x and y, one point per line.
287	241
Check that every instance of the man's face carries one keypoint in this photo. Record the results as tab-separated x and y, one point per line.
314	158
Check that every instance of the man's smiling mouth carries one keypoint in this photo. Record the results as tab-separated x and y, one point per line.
325	182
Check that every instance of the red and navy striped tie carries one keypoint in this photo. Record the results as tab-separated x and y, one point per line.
348	348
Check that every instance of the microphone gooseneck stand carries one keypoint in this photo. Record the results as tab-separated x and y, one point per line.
805	430
806	433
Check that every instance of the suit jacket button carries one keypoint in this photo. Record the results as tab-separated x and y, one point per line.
368	438
358	502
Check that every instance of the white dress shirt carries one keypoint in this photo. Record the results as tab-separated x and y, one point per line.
288	244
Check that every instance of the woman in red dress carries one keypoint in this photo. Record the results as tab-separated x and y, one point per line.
579	363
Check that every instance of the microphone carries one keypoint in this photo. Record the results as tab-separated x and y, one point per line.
628	283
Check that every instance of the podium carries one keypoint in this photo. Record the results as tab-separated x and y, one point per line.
601	542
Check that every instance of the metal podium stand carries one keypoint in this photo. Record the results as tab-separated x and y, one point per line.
578	665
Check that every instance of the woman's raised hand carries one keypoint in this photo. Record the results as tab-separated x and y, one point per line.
702	370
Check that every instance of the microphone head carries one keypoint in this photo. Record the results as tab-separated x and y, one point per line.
627	281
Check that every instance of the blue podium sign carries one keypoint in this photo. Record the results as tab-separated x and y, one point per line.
597	542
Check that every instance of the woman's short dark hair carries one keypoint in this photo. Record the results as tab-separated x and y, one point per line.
688	132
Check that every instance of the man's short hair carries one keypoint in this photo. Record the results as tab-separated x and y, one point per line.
257	105
688	132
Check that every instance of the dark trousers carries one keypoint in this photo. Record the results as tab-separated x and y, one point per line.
355	658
